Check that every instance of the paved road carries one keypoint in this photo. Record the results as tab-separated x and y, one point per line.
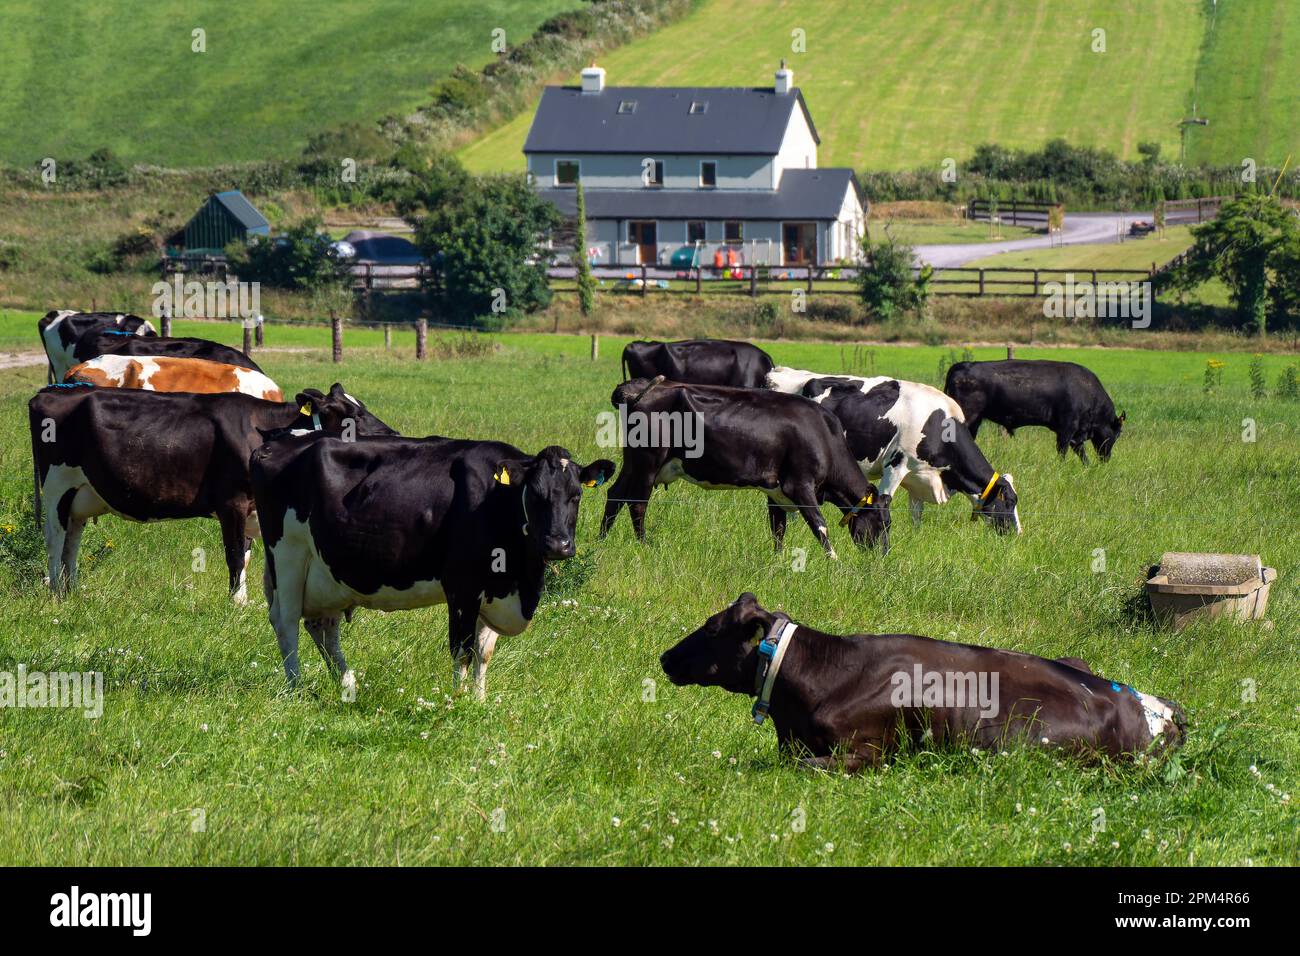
1081	228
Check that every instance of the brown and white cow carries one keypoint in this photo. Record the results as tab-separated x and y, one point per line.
851	701
163	374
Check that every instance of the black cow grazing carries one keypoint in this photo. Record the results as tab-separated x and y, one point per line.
396	523
698	362
850	702
99	342
152	456
61	330
725	438
1062	396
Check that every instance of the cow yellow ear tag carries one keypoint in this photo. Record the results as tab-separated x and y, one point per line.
502	476
305	410
589	484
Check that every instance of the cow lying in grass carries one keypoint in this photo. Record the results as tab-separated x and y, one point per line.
396	523
849	702
161	374
909	434
152	456
726	438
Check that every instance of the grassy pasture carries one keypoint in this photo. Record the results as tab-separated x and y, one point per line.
567	762
122	73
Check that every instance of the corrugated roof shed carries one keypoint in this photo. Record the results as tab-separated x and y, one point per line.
658	120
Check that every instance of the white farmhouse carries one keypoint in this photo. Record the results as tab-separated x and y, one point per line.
674	173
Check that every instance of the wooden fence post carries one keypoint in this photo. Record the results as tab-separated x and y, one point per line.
595	346
810	278
248	337
165	324
699	274
1035	282
388	336
981	281
336	329
753	281
421	338
643	280
258	335
1011	351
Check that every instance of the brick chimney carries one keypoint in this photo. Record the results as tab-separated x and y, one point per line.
784	79
593	79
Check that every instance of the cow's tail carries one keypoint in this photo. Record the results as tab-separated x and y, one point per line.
36	480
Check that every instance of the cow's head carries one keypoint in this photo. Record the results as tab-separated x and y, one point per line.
1104	436
999	504
722	652
549	487
869	521
333	412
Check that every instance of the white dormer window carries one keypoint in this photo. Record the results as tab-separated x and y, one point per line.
652	172
699	106
627	106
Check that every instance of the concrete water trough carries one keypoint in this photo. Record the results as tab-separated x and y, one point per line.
1187	586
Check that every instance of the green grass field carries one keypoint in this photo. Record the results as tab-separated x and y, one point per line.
1248	85
568	761
121	73
909	83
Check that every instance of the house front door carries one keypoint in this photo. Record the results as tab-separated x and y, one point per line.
644	235
799	240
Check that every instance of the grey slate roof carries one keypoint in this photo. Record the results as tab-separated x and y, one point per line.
804	194
738	120
244	212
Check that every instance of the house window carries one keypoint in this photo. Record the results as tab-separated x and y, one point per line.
566	172
627	106
652	172
708	174
733	230
699	106
694	230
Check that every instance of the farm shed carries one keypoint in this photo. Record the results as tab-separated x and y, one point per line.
224	218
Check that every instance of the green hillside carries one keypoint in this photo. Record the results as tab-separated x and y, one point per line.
1248	84
76	76
910	82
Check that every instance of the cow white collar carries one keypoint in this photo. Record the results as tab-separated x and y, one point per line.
771	651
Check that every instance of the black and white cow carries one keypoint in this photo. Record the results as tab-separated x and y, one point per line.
99	342
61	330
397	523
698	362
909	434
727	438
1063	396
153	456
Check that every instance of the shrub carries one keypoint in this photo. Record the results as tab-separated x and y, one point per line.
298	258
487	238
886	283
